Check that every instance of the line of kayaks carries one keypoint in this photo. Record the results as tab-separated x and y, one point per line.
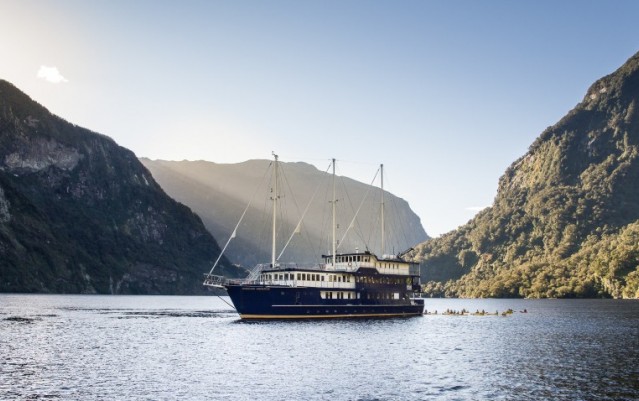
465	312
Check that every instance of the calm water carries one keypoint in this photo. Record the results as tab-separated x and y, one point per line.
64	347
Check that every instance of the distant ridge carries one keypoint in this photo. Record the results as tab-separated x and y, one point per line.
565	221
219	192
80	214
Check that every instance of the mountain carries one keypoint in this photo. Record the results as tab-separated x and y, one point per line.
565	220
80	214
220	192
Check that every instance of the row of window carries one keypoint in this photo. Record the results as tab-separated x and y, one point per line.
333	278
353	295
386	265
336	278
381	280
365	259
338	295
351	259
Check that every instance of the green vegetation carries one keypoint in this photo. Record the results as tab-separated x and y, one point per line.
565	222
80	214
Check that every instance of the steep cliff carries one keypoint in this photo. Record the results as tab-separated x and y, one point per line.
80	214
219	193
565	221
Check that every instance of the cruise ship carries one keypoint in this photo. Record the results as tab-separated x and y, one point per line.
340	285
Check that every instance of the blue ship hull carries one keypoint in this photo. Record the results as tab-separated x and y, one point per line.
282	302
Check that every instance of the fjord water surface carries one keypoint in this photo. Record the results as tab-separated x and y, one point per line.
83	347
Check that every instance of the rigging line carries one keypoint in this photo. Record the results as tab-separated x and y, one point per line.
360	232
353	221
350	202
224	300
374	226
299	223
234	233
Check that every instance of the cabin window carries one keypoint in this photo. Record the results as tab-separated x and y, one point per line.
322	278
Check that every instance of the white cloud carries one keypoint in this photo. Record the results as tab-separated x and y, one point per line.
476	208
51	74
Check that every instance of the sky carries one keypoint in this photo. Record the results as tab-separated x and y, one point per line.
446	94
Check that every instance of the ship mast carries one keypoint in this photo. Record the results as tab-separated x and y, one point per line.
381	169
334	225
275	199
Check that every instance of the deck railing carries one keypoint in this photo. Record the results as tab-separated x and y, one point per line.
211	280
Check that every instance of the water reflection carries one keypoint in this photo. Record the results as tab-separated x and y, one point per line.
193	348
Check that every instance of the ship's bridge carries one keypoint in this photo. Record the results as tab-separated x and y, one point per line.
388	264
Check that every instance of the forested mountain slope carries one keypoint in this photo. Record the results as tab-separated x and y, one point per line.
565	221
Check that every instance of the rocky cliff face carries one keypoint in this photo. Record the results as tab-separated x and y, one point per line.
220	192
80	214
565	221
